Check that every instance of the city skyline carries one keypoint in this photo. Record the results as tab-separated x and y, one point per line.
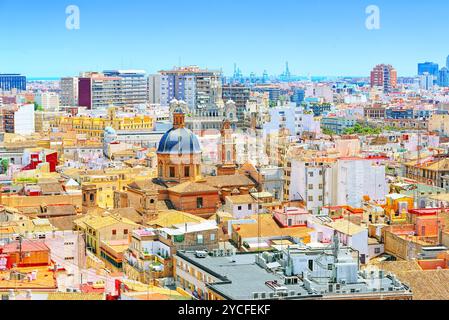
149	41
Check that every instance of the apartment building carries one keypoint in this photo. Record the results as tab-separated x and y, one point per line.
240	95
117	87
199	88
69	91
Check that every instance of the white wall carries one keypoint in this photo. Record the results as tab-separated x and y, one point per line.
24	120
357	178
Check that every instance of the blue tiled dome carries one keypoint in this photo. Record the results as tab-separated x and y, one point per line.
109	130
179	141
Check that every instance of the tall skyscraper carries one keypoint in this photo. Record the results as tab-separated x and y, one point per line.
9	82
429	67
384	76
443	77
447	62
199	88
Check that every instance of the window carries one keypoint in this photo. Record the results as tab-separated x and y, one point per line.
311	265
114	232
310	199
172	172
200	239
199	203
125	232
250	207
186	171
310	186
239	208
212	237
377	250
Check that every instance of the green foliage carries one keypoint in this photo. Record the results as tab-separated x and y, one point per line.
38	107
329	132
26	180
362	130
4	164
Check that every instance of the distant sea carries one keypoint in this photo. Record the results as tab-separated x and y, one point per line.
44	79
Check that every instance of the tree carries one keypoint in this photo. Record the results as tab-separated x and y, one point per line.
38	107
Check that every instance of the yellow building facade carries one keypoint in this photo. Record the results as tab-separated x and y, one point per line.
397	207
94	127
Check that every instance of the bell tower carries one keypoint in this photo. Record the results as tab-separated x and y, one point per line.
149	206
178	119
226	151
89	193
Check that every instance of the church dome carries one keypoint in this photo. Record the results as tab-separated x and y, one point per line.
179	141
110	130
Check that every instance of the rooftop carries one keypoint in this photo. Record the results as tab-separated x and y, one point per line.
269	228
192	187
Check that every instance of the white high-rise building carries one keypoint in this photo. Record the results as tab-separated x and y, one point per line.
357	178
310	181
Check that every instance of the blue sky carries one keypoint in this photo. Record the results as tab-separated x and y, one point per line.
322	37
